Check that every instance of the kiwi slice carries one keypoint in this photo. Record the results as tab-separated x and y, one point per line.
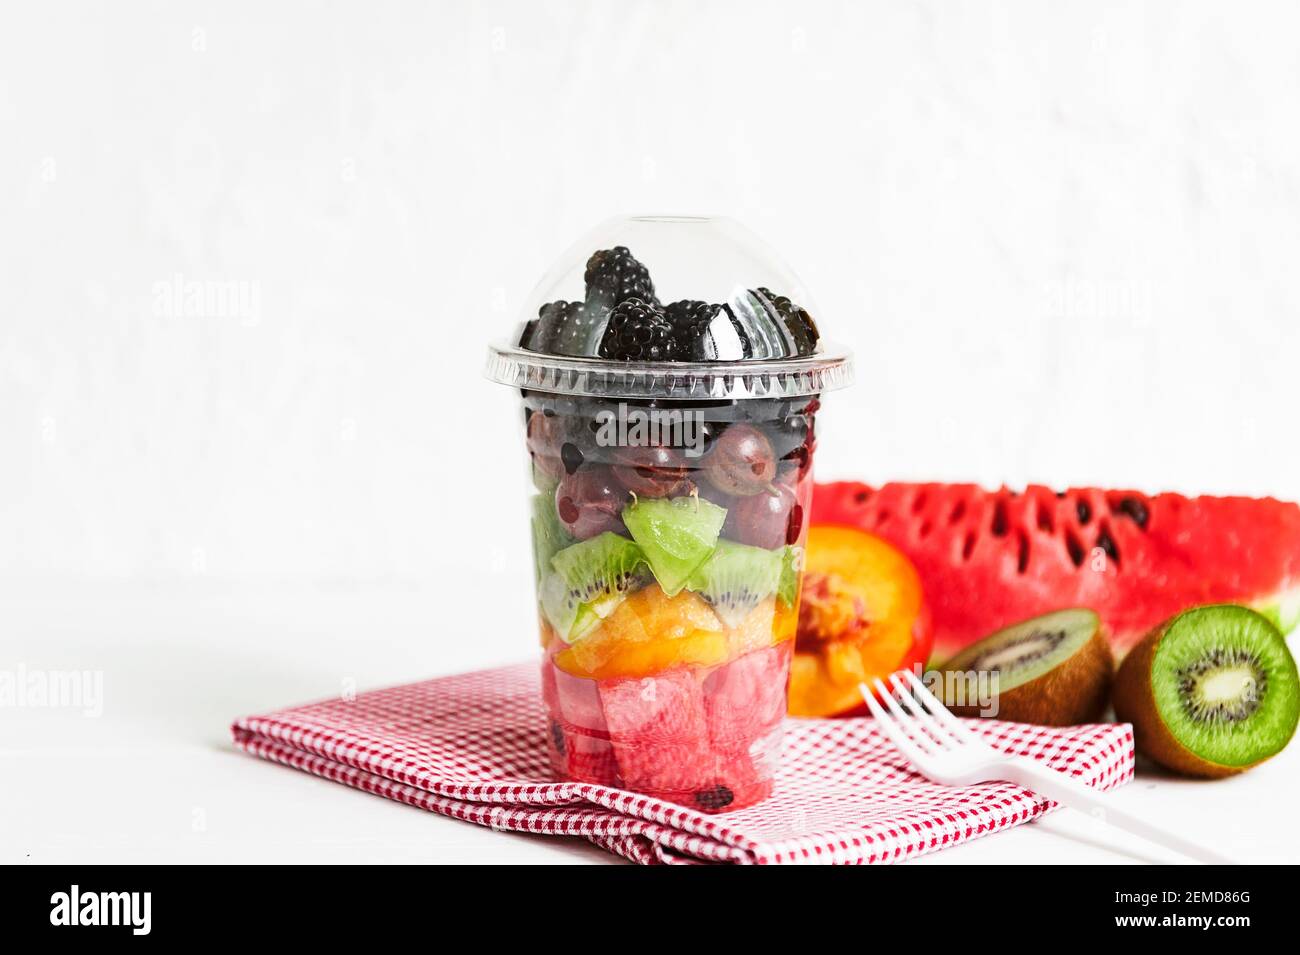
1211	692
1053	670
787	590
549	535
587	581
736	578
676	534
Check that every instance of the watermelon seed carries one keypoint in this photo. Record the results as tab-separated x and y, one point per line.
958	512
862	497
1107	543
1084	510
1075	548
926	527
968	546
1022	561
1000	519
918	504
1134	508
1045	522
716	798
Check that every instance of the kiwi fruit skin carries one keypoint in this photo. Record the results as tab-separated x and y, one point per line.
1135	703
1075	691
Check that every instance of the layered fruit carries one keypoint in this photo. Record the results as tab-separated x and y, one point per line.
668	590
668	537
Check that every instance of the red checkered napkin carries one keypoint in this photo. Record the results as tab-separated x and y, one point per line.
474	747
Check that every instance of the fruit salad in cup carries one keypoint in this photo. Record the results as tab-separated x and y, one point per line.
671	470
668	591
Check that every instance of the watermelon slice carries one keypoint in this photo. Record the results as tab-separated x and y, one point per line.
988	559
659	734
709	739
579	741
555	732
744	706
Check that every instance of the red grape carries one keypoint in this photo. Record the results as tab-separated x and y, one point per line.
651	471
741	461
545	437
765	520
590	502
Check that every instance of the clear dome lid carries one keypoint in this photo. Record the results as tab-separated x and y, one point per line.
670	307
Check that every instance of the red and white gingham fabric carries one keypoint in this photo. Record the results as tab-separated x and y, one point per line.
473	747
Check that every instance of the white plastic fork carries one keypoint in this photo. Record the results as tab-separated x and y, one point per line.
948	753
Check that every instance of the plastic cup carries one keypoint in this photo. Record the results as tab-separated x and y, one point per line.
670	497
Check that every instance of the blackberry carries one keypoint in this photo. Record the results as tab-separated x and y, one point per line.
564	328
690	314
613	276
797	321
696	334
690	321
638	331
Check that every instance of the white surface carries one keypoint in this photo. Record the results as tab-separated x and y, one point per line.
1062	241
154	778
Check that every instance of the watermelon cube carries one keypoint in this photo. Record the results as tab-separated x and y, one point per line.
745	704
659	733
745	699
706	738
580	745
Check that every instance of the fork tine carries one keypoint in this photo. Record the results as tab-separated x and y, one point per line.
890	727
936	707
905	718
926	721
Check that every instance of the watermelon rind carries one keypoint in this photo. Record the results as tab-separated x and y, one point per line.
1283	611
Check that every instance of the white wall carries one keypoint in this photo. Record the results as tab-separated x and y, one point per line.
1063	239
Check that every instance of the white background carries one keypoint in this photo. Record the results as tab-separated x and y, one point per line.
1062	239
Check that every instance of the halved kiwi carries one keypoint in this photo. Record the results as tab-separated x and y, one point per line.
1211	692
1054	670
